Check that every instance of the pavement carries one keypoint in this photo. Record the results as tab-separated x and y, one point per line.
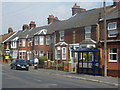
100	79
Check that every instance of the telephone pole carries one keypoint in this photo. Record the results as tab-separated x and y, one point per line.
105	43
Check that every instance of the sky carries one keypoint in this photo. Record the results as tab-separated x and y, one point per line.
15	14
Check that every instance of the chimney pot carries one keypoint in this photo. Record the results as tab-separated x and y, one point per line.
10	30
32	24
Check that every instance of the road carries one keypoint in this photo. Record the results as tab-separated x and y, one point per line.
41	79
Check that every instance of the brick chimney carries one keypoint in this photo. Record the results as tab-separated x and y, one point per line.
51	18
32	24
10	30
116	3
76	9
25	27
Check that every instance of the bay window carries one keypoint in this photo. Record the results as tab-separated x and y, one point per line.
64	53
8	45
24	42
36	40
47	40
28	42
41	40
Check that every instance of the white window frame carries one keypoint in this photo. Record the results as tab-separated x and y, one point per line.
28	42
47	40
20	43
62	35
86	32
112	54
7	45
24	42
41	54
56	50
41	40
23	56
13	44
111	29
20	55
36	40
63	53
36	54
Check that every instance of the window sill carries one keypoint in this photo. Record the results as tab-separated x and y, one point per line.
112	61
112	36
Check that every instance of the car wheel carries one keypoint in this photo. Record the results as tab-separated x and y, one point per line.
27	69
15	67
11	67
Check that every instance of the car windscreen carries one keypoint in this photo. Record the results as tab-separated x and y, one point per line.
20	61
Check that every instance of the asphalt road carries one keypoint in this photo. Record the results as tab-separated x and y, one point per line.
38	79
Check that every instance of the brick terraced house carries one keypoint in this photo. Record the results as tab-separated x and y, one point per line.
84	29
113	42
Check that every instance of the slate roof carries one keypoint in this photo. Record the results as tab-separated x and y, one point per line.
86	18
115	14
87	41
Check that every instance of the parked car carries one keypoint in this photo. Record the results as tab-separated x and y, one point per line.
31	61
19	64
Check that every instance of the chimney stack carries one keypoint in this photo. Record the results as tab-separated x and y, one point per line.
25	27
51	18
76	9
10	30
116	3
32	24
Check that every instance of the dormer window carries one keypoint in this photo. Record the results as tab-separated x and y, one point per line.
112	32
62	36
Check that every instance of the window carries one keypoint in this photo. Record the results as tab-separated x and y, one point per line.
112	29
36	54
36	40
24	55
47	40
41	40
64	53
62	36
20	55
7	45
20	43
13	44
28	42
112	54
58	53
24	42
88	32
41	53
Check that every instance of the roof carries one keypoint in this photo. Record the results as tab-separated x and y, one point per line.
88	41
115	14
5	36
86	18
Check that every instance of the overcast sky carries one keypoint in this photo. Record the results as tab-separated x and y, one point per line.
15	14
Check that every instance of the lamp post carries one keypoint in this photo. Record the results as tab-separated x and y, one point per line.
72	59
105	44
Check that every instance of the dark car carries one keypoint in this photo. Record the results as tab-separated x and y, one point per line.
19	64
